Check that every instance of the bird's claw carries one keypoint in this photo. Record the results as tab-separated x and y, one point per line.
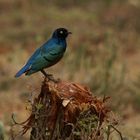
51	78
49	75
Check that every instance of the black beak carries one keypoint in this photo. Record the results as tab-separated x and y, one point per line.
69	32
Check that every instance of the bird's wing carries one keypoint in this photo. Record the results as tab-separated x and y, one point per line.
28	64
38	53
34	56
48	56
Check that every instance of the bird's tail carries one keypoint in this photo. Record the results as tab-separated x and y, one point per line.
23	70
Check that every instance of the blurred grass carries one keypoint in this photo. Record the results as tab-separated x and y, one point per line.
103	51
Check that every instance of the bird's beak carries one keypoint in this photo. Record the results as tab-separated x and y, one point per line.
69	32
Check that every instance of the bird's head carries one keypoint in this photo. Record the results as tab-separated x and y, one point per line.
61	33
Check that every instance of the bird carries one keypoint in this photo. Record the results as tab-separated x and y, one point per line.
47	55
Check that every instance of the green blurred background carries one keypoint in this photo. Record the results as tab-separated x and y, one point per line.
103	53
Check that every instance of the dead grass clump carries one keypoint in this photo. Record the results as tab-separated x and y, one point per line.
66	111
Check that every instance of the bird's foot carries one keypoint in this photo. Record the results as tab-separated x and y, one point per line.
50	77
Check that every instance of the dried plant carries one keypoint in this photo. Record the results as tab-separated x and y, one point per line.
66	111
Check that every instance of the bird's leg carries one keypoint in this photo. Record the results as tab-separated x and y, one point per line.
46	74
49	76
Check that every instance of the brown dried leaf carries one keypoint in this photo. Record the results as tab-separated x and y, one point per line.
62	104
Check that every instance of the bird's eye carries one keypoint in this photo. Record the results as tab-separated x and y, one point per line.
61	32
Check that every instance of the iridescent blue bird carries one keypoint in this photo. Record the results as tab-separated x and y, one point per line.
47	55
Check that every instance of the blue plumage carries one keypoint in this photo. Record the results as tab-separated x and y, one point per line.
48	54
